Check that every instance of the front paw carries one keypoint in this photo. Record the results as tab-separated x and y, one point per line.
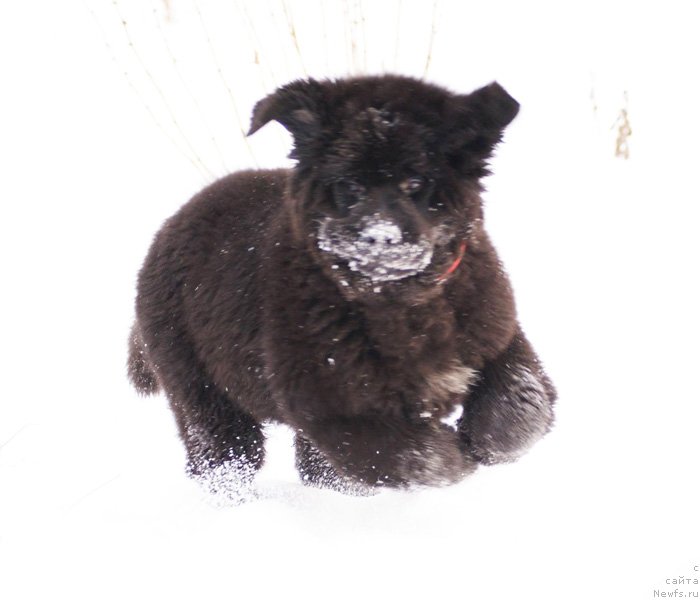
315	471
503	420
433	460
377	453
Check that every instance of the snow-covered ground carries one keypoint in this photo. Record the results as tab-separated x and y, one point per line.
602	252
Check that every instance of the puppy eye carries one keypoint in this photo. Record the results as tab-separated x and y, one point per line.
354	188
412	185
347	194
349	188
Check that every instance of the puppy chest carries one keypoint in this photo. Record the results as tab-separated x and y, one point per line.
423	383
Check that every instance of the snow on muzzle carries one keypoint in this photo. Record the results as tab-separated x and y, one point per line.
377	250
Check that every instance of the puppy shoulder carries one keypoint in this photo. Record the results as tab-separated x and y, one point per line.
238	193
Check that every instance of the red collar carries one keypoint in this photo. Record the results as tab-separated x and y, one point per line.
453	267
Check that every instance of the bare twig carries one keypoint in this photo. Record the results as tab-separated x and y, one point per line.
187	88
354	53
93	491
293	33
154	83
324	25
137	93
433	31
398	35
258	47
217	66
13	436
624	131
168	10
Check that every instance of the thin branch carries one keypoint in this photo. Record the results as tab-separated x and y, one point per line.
324	25
92	491
433	32
257	46
14	435
347	32
293	33
137	93
363	20
187	88
217	66
398	35
153	81
624	131
354	38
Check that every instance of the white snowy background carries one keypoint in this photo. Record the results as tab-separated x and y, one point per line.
107	128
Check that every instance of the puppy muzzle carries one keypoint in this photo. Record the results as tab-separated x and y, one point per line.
376	249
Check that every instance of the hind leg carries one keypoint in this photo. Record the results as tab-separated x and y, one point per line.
509	408
138	368
224	444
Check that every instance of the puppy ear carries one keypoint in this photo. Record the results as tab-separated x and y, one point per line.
297	106
478	124
491	107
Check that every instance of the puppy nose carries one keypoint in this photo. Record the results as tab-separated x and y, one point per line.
381	231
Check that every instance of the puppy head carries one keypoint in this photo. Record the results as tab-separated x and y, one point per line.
386	185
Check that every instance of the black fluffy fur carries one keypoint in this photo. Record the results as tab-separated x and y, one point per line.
248	310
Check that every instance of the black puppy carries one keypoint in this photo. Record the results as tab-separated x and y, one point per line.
356	298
